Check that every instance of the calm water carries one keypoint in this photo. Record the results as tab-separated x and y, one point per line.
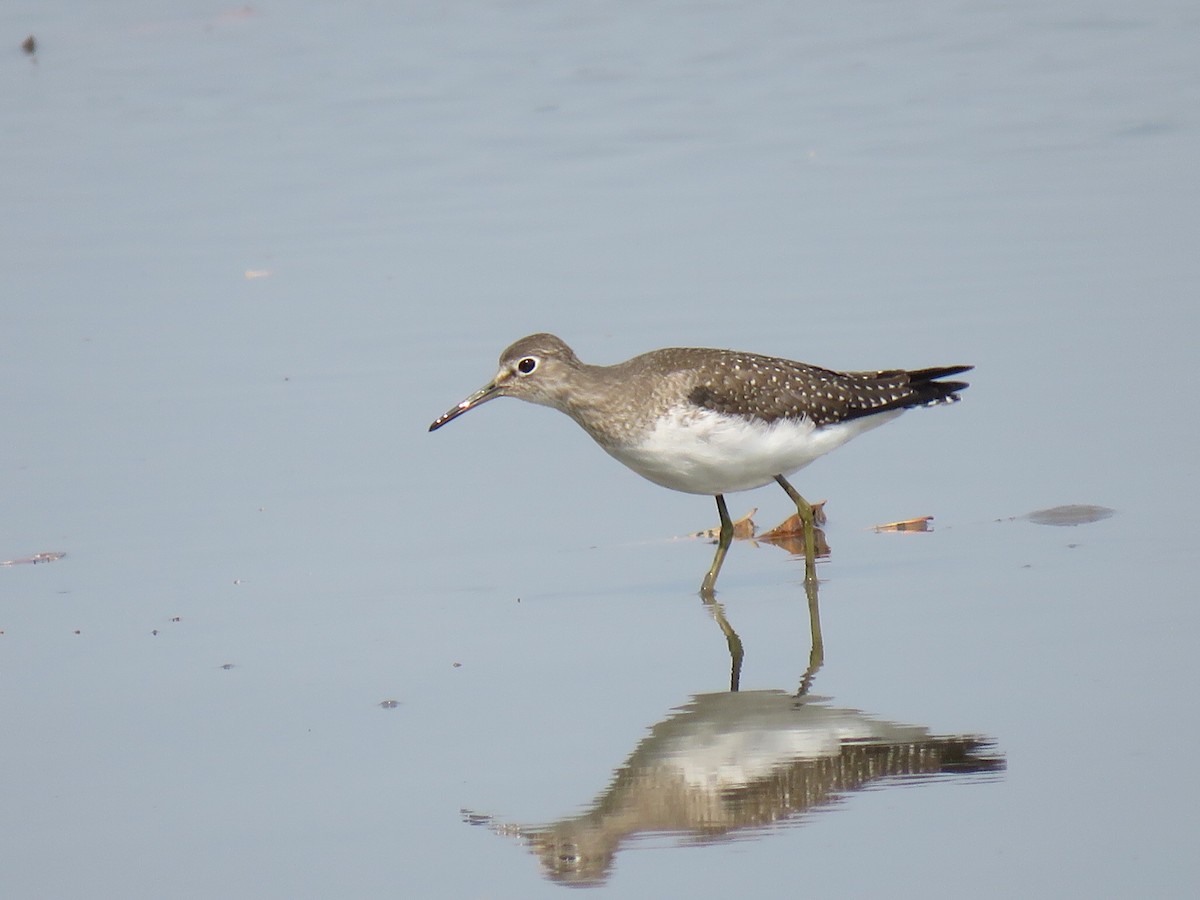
298	647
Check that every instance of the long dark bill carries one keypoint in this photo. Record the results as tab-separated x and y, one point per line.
483	395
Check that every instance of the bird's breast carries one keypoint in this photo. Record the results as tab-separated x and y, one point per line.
700	451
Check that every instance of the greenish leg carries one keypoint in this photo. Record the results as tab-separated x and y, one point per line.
723	542
805	510
816	656
736	653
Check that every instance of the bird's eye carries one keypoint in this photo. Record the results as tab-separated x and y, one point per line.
527	365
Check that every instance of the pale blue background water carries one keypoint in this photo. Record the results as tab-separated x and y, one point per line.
858	185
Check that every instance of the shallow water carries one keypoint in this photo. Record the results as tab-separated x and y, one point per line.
298	647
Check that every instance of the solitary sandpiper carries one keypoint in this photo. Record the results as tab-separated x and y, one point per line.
712	421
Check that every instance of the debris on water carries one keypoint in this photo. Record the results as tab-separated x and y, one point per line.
1071	514
29	45
389	704
49	556
743	529
920	523
789	527
789	535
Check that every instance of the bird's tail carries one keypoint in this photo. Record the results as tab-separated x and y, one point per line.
929	390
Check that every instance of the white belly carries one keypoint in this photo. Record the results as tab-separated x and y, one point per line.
703	452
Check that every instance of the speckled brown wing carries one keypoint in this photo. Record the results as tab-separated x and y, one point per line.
771	389
876	392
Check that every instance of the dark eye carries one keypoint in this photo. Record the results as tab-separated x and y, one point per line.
527	365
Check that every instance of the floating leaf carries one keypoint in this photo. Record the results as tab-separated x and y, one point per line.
743	529
789	535
920	523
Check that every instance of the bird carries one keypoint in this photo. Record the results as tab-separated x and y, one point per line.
707	421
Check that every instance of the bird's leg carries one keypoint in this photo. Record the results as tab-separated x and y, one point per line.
805	510
723	542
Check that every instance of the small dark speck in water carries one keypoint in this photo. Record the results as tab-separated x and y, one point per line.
1072	514
226	666
29	45
389	704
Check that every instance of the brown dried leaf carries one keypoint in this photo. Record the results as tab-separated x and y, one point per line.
792	525
920	523
743	529
789	535
789	527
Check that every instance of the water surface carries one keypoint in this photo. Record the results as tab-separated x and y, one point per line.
250	252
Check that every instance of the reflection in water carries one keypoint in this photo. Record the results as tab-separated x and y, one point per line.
731	762
816	655
725	765
786	536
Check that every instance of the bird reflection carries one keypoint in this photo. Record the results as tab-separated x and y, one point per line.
727	764
789	537
816	655
732	762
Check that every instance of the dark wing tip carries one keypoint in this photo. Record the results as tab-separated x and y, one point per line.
920	376
929	390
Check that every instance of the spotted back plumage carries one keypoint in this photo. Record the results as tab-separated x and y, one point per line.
768	388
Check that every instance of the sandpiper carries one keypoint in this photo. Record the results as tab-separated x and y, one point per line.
712	421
